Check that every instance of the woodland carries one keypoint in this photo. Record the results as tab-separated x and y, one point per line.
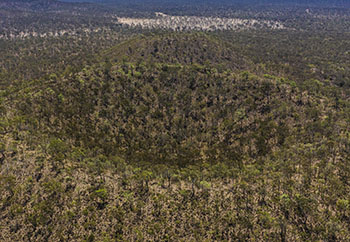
111	132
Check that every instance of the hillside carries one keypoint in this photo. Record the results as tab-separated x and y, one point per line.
171	102
173	137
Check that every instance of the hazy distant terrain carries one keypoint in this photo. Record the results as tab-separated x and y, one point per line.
318	3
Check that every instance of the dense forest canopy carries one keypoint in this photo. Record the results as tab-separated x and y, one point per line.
116	132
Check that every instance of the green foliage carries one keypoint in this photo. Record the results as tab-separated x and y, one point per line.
101	193
205	184
57	149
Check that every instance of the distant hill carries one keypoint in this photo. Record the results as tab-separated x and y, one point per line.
37	5
31	4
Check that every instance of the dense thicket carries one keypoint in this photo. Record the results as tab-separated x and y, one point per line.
180	113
